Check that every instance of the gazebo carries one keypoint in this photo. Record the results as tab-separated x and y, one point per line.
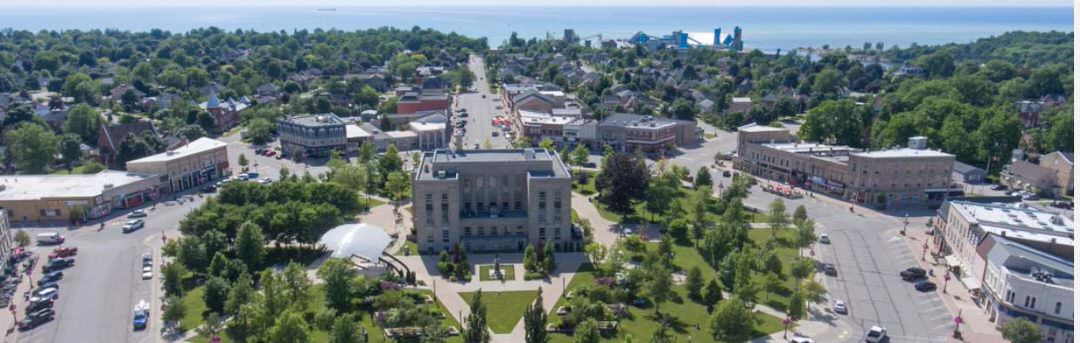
363	246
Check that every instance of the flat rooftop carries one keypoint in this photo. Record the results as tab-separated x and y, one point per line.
806	148
1022	223
638	121
760	128
195	147
436	159
422	126
36	187
902	153
315	120
354	131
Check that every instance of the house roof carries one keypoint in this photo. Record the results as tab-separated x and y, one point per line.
1030	171
114	134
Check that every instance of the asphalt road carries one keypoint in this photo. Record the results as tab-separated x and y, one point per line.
267	166
98	294
481	106
868	253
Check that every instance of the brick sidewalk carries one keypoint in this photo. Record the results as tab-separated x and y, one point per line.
976	326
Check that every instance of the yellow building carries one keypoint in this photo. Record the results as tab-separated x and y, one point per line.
51	197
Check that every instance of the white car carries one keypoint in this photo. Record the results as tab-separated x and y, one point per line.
840	307
147	272
876	334
824	239
798	339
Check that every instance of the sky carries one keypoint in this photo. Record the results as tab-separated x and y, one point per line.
384	3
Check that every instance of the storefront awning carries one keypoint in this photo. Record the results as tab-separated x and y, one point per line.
951	261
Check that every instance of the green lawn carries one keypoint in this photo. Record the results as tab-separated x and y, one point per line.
508	272
370	203
409	246
587	188
787	255
195	307
692	321
504	309
759	217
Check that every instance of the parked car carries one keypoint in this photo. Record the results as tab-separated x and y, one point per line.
726	173
913	273
925	286
51	277
48	284
1031	197
147	259
137	214
30	323
801	340
35	306
839	307
998	187
57	264
44	313
147	272
209	189
51	293
132	225
824	239
876	334
494	133
63	252
142	315
829	269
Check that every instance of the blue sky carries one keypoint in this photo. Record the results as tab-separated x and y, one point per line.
325	3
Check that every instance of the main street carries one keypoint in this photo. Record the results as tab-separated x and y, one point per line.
482	108
98	294
868	253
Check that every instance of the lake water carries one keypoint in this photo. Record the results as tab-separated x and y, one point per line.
766	28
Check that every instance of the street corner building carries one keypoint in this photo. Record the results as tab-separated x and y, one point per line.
908	176
492	200
1016	262
51	198
200	162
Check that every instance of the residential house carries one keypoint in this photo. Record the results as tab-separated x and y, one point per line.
966	173
1061	164
111	136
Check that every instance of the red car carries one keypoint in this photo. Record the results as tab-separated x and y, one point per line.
63	252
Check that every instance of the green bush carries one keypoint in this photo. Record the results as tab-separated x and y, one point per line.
534	275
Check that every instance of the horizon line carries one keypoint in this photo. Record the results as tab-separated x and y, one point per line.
315	7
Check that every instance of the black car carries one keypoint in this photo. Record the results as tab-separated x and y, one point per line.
48	284
925	286
43	313
51	277
57	264
998	187
35	306
29	323
913	273
209	189
830	269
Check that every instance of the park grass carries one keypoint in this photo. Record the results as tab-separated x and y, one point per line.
195	307
409	246
587	188
504	309
508	272
788	255
691	320
370	203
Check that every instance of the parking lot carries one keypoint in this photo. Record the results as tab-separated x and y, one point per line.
99	293
481	107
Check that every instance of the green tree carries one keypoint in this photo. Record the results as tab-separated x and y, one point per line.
241	293
827	83
535	322
476	323
70	149
290	327
366	152
937	65
347	329
587	332
259	131
216	294
703	178
732	322
796	307
242	160
174	309
353	177
31	147
211	327
837	122
368	97
712	294
296	284
799	214
547	144
1060	135
397	184
623	179
250	245
659	287
22	238
337	279
662	335
1020	330
76	214
778	219
173	276
84	121
694	283
580	155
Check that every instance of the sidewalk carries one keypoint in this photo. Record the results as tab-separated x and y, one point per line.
976	326
9	320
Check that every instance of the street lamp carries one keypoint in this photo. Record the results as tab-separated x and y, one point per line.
925	245
945	288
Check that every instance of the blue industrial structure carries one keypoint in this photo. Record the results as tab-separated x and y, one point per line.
681	40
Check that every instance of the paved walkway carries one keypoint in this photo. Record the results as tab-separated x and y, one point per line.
605	231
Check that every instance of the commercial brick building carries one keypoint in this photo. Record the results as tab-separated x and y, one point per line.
492	200
50	198
312	135
193	164
630	132
900	176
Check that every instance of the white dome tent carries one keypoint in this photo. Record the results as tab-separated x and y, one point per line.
361	244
